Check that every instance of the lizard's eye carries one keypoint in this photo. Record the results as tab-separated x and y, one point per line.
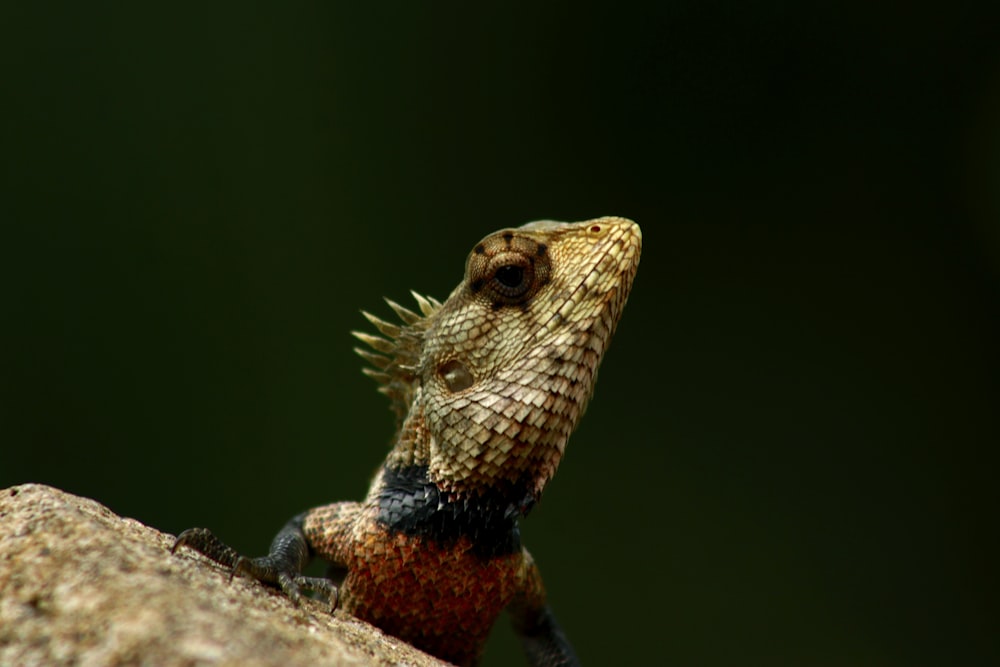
510	279
507	269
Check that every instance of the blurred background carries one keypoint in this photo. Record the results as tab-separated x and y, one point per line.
790	457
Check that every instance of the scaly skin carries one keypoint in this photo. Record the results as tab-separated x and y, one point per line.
487	387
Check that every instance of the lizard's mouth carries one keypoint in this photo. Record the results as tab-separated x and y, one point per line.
610	249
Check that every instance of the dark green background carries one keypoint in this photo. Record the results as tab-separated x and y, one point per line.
790	456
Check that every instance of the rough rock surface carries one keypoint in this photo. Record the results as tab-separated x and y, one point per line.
80	585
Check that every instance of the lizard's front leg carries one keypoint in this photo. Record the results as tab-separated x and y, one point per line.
283	565
543	640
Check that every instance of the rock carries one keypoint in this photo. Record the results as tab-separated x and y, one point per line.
80	585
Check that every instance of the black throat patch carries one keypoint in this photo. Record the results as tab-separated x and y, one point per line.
413	505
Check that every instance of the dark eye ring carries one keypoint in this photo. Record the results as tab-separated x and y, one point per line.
507	270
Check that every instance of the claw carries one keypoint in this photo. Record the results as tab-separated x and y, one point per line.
291	589
240	567
184	537
178	541
281	566
320	585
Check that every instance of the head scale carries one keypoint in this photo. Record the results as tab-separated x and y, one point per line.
491	384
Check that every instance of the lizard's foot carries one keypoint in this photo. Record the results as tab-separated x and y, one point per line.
204	542
270	570
275	568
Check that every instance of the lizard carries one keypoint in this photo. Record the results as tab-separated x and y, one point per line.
487	388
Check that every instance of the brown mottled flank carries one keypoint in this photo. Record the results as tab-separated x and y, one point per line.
487	388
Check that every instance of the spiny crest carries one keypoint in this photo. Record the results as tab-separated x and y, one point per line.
397	354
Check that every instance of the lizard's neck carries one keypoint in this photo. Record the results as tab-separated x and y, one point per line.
412	448
515	471
410	503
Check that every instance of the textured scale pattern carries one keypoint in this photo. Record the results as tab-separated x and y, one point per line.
532	366
409	588
487	388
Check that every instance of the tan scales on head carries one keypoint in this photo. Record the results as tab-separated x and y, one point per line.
492	383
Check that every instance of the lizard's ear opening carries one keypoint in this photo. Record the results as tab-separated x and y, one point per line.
455	375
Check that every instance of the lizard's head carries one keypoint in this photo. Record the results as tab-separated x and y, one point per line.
492	382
